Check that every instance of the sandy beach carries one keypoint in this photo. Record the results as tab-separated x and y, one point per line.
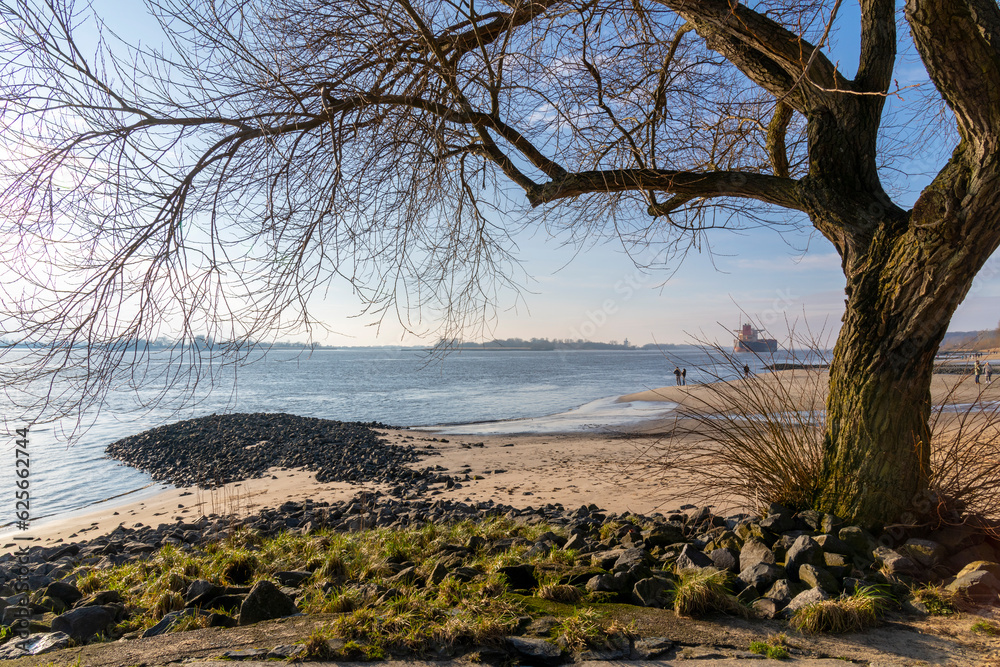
607	469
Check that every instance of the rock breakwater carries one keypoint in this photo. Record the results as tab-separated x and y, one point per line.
218	449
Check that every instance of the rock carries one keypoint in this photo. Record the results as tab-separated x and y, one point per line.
246	654
817	577
859	540
725	559
651	648
809	520
896	563
169	621
981	566
265	602
765	607
832	560
293	578
602	582
200	592
980	586
100	599
34	644
663	535
804	599
831	544
783	591
755	552
804	551
691	558
438	574
761	577
60	590
538	652
630	558
84	623
778	523
520	577
649	592
285	652
927	553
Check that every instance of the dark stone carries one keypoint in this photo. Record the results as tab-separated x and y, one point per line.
778	523
630	558
36	644
833	544
651	648
265	602
804	551
765	607
200	592
535	652
859	540
100	599
217	620
293	578
971	555
817	577
755	552
520	577
895	562
649	592
663	535
761	577
60	590
927	553
804	599
691	558
602	582
726	559
84	623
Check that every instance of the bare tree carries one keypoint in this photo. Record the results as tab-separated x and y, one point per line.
275	145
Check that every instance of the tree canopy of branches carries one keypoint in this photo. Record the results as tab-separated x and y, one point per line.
272	146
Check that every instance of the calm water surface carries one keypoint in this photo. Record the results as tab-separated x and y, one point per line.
396	387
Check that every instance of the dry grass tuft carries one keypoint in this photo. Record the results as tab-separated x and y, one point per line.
699	592
560	593
749	441
856	613
965	462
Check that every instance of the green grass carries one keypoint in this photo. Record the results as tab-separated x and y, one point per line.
853	613
984	627
938	601
774	651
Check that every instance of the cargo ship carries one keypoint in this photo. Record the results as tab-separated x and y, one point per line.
748	340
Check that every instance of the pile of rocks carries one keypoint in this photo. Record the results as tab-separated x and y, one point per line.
779	563
219	449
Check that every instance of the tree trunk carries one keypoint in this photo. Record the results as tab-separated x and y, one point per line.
906	275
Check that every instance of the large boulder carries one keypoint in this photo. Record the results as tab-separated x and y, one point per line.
691	558
804	551
755	552
84	623
759	578
265	602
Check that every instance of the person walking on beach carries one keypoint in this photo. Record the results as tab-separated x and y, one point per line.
684	376
746	370
677	374
977	370
989	372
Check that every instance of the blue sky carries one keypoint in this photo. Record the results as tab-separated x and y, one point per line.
597	293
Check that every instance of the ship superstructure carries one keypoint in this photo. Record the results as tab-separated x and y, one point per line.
748	340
